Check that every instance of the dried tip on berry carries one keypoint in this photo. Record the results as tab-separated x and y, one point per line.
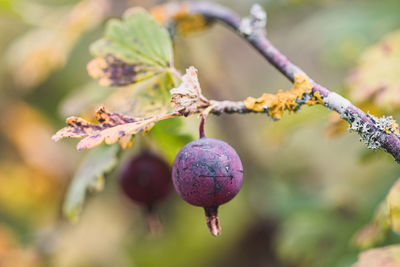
213	222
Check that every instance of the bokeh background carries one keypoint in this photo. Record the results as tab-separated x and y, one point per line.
309	185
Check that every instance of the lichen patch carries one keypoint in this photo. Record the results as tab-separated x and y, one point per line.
276	104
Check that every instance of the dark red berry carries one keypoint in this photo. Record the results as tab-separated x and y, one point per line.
146	179
207	173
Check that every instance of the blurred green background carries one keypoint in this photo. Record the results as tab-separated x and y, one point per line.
309	187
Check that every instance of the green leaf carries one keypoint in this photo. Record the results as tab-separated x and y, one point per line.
132	50
147	98
135	56
89	178
169	138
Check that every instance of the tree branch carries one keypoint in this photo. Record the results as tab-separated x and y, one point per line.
375	132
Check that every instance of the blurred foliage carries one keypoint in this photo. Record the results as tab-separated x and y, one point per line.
376	77
307	200
386	256
35	54
89	178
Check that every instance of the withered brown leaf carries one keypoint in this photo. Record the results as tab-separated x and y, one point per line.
188	98
111	128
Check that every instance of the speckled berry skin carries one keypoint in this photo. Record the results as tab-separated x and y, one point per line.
207	172
146	179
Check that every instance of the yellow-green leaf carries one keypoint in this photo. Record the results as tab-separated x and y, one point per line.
377	76
147	98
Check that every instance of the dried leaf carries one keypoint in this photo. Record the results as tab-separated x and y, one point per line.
276	104
112	127
113	134
132	50
380	257
377	77
188	98
77	128
89	178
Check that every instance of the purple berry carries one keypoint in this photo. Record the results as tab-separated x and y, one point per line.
146	179
207	173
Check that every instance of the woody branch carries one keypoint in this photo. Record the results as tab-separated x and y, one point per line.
375	132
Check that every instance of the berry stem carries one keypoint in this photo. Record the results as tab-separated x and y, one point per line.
201	129
212	219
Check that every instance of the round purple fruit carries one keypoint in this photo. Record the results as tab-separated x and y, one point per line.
207	173
146	179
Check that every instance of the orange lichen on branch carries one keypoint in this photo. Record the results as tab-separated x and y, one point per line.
165	13
316	99
276	104
179	15
394	128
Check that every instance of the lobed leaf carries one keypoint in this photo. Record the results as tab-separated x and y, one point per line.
89	178
112	127
133	49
